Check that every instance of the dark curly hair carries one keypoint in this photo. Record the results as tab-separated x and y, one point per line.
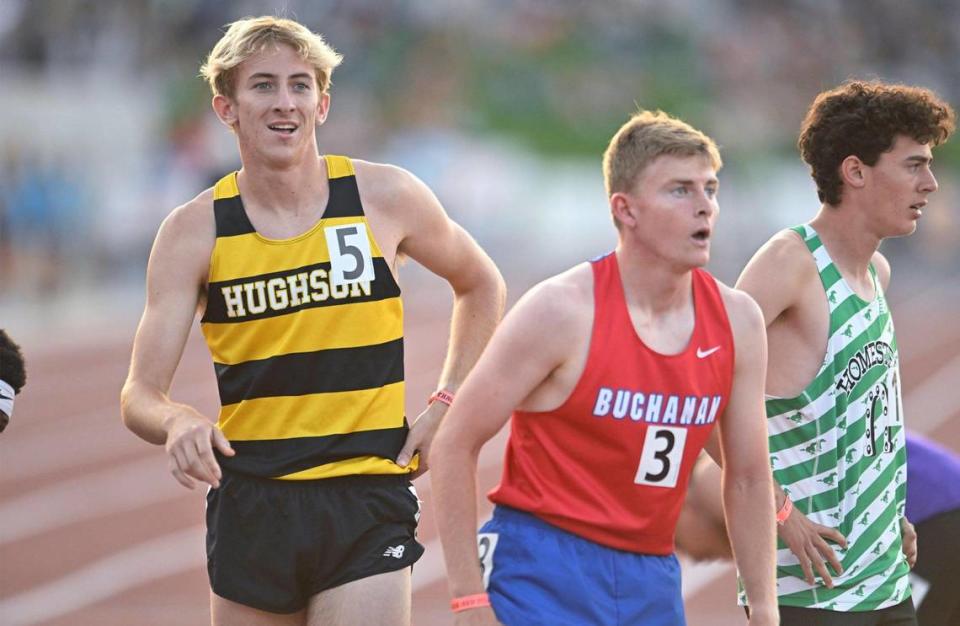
11	363
863	119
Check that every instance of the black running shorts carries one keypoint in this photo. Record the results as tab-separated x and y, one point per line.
272	544
938	566
901	614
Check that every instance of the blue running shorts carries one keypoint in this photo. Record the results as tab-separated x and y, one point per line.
536	573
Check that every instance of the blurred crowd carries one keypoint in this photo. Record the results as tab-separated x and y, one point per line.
106	125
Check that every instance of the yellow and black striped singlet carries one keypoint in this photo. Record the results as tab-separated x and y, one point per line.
306	336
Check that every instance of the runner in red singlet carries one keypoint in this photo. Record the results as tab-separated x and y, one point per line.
615	373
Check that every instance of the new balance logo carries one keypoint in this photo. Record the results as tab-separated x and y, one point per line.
702	354
395	552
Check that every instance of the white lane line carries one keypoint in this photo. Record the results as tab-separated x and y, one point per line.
148	561
77	439
92	439
114	490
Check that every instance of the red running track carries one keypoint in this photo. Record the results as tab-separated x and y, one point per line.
94	530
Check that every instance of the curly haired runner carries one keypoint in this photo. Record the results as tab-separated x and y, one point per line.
833	386
13	376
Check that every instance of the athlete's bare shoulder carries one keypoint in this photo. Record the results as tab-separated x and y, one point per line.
548	330
555	308
193	219
386	187
785	253
566	295
398	205
778	275
560	307
185	239
742	310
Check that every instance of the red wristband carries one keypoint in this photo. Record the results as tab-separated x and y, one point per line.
784	511
465	603
441	395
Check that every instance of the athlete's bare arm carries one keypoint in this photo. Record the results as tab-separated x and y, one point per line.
176	275
782	278
528	362
747	482
414	224
701	532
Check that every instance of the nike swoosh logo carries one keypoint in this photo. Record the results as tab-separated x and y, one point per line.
5	397
702	354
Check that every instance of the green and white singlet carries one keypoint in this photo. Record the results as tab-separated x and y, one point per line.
838	450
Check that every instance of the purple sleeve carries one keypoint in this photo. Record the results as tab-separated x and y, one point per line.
933	479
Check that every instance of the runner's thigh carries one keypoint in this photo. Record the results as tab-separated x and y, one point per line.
383	599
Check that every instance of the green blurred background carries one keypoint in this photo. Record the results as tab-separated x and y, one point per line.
504	108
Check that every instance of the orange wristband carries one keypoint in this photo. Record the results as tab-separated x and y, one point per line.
441	395
465	603
784	511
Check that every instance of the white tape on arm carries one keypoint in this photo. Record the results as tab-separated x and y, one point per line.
6	398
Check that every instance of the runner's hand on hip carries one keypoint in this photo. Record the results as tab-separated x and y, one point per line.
191	439
909	535
808	543
420	437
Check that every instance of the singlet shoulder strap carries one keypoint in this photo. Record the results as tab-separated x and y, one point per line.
809	236
339	166
344	193
609	303
226	187
228	211
707	292
812	239
607	286
834	286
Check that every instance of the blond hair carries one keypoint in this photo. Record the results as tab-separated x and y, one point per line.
646	136
249	36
